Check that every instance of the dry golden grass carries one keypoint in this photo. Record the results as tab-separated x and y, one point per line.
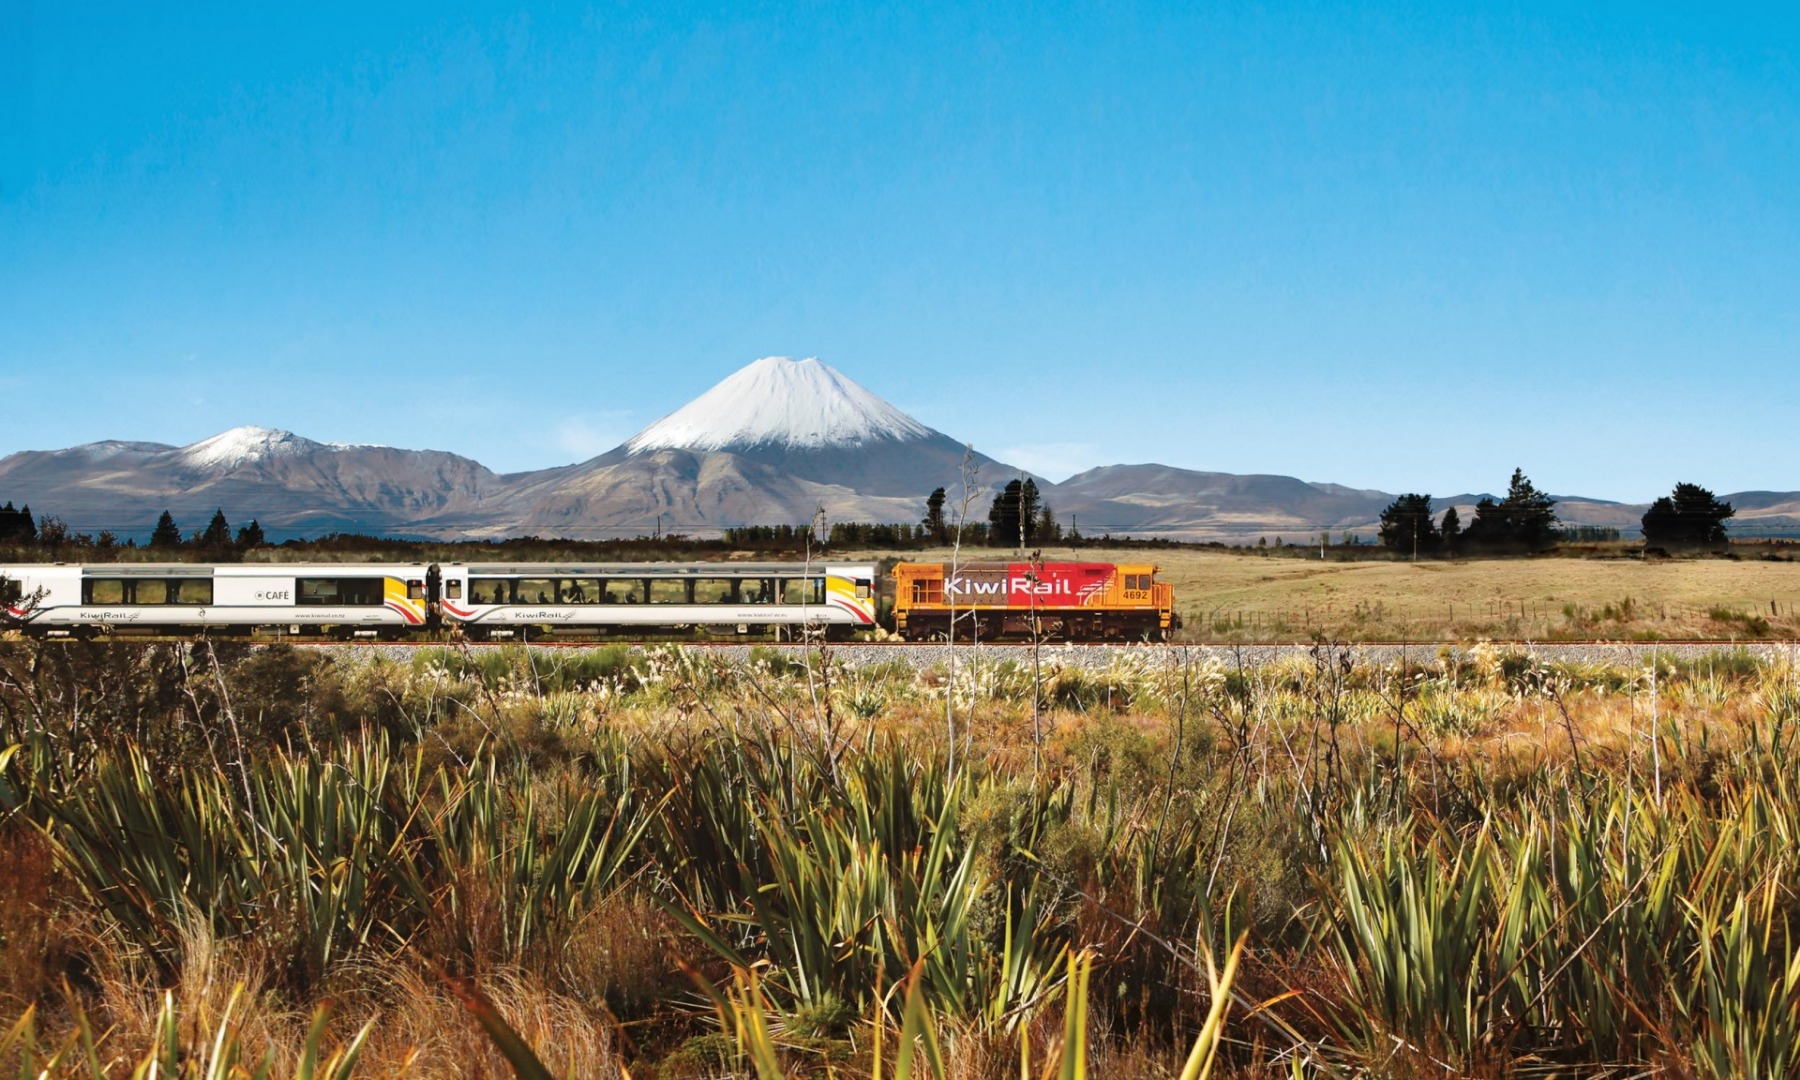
1282	596
1247	759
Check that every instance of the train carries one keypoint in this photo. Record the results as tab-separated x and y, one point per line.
537	601
392	601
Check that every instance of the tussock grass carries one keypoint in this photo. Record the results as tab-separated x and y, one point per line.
1472	864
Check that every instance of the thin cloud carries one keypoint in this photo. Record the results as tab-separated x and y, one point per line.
591	434
1056	461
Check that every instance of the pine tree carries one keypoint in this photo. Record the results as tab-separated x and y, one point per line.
1523	521
1013	515
1003	516
218	531
166	534
934	517
1451	529
1030	508
250	536
1532	514
1406	526
1691	517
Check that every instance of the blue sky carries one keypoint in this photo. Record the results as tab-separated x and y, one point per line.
1395	246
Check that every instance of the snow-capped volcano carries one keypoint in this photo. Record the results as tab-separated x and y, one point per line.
780	402
241	445
774	441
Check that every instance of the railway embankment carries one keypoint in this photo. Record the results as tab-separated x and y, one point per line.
857	654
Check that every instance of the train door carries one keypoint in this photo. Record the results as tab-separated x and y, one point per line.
434	597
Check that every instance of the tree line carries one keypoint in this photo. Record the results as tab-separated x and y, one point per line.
1522	522
1018	517
19	528
1525	522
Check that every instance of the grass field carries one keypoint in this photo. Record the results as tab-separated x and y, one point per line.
664	865
1227	596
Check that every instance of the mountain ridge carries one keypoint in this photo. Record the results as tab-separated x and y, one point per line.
772	443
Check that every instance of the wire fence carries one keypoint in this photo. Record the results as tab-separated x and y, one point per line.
1522	619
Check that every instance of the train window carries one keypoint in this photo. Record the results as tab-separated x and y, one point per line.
803	590
149	591
345	592
668	591
366	592
315	591
489	590
863	588
415	589
715	590
536	591
579	591
453	589
621	592
191	591
757	591
11	592
102	591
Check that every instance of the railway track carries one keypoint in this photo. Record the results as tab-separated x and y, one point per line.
1121	646
1101	654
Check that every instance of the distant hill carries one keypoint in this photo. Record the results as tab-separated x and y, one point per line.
291	484
768	445
1208	505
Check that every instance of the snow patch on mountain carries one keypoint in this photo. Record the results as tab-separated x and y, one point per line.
112	448
243	445
780	401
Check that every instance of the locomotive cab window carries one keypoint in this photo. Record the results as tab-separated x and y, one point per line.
453	589
415	589
340	592
11	592
864	588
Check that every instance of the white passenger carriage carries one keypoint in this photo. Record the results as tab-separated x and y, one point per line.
506	601
345	600
513	599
